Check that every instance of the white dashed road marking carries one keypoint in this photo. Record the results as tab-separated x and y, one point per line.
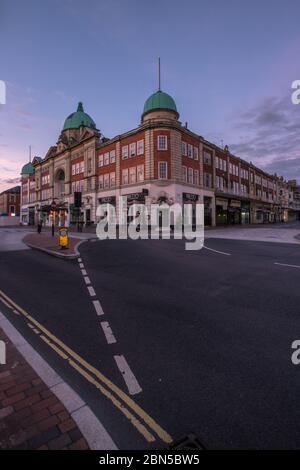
108	332
128	376
288	265
98	307
91	291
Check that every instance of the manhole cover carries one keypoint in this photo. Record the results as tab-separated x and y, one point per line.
190	441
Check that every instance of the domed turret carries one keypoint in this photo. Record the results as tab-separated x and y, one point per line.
75	120
27	169
160	105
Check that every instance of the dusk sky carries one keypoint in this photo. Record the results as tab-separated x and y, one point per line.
228	64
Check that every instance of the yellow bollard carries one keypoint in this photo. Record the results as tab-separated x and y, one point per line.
63	238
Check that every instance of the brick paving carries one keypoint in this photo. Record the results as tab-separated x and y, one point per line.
31	416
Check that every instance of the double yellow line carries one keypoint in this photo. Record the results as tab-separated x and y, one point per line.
144	424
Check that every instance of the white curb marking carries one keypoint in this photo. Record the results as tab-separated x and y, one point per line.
108	332
83	272
216	251
87	280
128	376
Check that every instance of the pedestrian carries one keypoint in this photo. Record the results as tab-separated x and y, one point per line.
39	227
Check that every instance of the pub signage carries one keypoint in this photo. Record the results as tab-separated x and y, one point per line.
190	197
107	200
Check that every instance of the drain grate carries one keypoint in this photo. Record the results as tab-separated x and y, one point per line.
189	442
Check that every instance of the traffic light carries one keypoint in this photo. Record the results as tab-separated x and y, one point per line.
77	199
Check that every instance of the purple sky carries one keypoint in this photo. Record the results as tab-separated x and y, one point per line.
228	64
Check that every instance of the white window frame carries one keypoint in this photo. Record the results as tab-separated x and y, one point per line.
106	159
132	150
163	163
125	173
112	179
196	177
190	175
140	173
100	182
184	148
196	153
206	155
100	160
106	180
112	156
132	175
160	140
125	152
140	147
184	173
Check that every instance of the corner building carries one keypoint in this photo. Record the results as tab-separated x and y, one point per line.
159	161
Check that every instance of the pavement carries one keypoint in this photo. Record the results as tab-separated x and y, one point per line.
166	342
31	416
45	242
273	233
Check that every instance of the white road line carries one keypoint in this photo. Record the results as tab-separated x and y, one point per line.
108	332
87	279
98	307
81	265
83	272
91	291
128	376
79	260
216	251
288	265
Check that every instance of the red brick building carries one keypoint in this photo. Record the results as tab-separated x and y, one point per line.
10	201
159	161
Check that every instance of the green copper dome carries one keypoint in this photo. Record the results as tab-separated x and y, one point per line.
160	100
75	120
27	169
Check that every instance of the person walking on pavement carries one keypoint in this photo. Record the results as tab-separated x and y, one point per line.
39	227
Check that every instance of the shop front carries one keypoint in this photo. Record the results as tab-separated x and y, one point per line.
264	215
53	214
24	215
207	211
221	211
31	216
135	198
234	212
192	199
245	213
108	200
